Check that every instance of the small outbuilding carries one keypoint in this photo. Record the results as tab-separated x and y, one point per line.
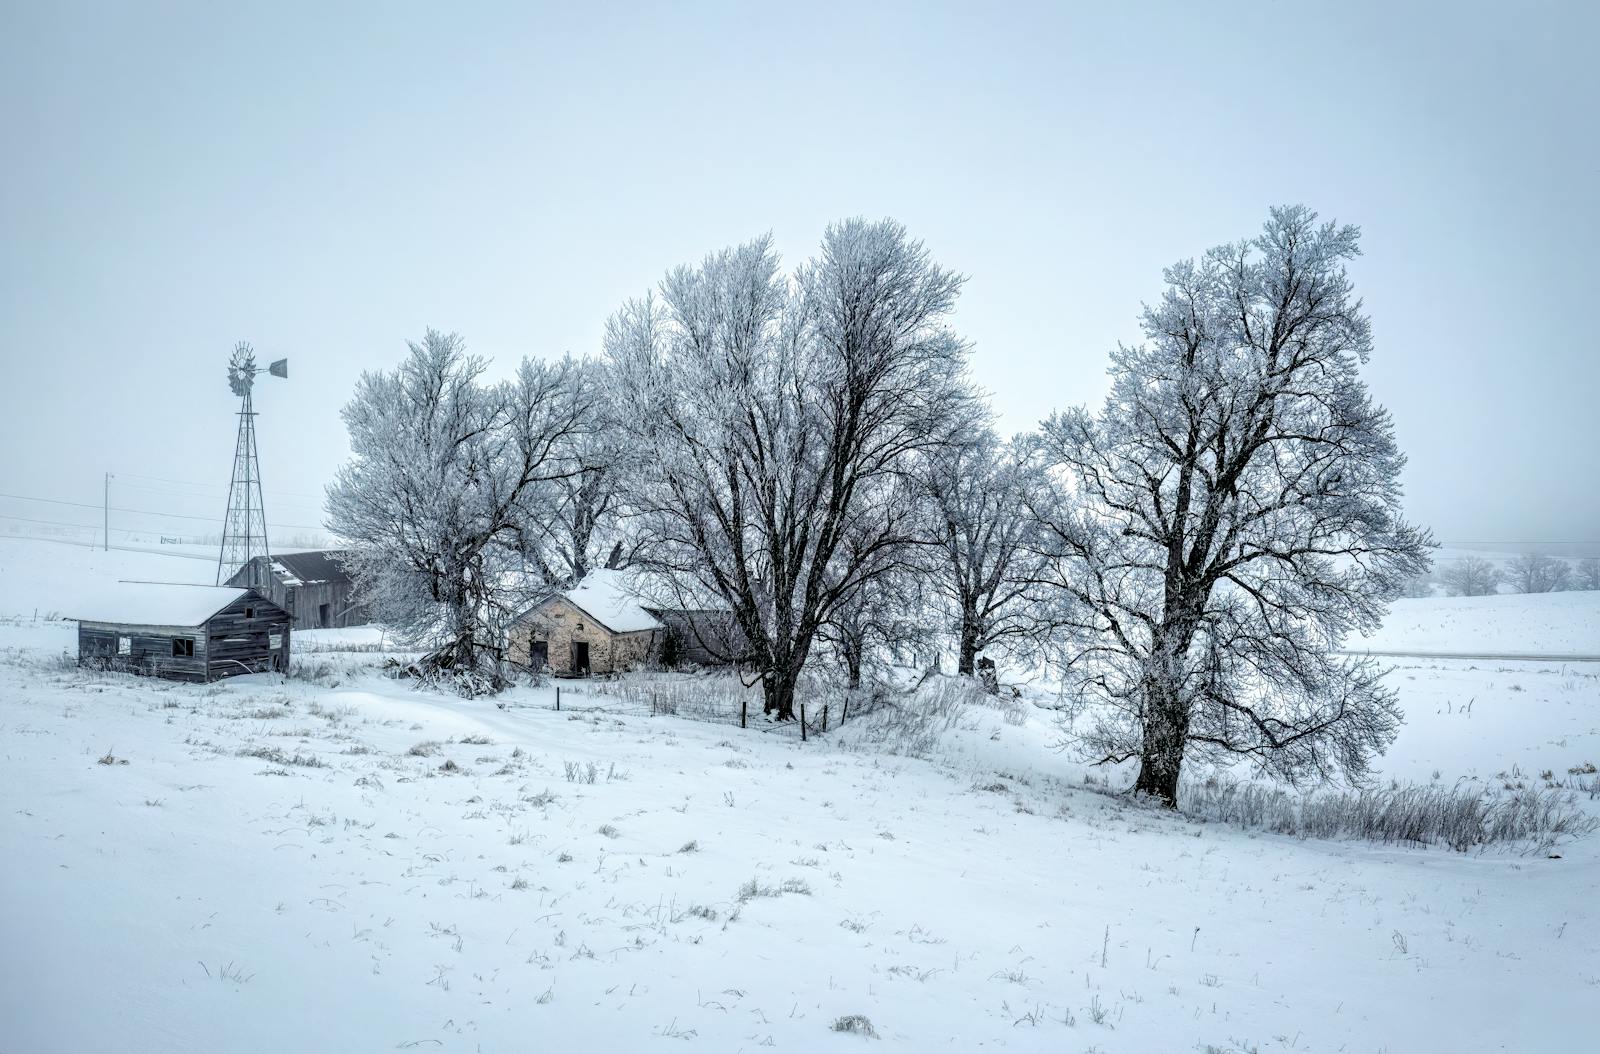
700	637
601	627
184	632
313	586
597	627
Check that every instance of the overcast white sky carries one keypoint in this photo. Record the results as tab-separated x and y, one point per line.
327	183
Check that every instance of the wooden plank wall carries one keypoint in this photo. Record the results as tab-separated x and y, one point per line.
239	638
149	650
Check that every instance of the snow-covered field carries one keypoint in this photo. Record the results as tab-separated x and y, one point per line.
1526	623
346	864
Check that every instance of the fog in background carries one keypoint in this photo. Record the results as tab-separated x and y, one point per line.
327	183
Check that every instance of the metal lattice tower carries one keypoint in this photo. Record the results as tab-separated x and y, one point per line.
244	527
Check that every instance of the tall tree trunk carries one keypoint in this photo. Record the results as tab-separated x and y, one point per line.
1166	731
777	692
967	657
852	663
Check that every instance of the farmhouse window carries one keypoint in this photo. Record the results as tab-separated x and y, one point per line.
124	645
249	612
183	647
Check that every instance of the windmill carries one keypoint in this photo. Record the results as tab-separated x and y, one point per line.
244	527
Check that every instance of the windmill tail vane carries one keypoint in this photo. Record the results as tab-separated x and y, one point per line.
244	525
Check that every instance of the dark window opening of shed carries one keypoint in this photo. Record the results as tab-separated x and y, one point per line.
183	648
249	612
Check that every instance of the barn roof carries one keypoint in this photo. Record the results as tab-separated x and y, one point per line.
159	603
309	568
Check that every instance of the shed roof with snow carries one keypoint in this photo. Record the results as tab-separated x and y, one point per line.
160	603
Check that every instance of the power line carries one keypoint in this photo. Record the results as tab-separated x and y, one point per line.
96	545
144	512
216	486
277	500
63	523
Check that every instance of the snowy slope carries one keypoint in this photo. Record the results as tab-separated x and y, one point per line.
286	866
56	579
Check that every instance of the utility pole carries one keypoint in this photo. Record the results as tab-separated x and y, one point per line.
106	536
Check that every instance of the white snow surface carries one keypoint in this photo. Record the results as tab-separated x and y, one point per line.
609	597
56	580
157	603
290	864
1523	623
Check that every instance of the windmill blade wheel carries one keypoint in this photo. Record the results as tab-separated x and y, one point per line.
242	369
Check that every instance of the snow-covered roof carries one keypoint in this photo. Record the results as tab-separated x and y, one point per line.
157	604
308	567
606	596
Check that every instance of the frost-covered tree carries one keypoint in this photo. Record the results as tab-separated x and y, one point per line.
1417	587
780	416
888	618
589	525
980	535
1536	573
1588	576
451	484
1472	576
1231	514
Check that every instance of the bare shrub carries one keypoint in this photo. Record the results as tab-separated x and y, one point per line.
754	889
278	757
856	1025
1461	817
913	723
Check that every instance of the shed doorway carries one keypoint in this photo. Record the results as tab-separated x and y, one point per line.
539	654
580	658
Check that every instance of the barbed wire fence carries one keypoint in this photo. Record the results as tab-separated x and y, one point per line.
722	699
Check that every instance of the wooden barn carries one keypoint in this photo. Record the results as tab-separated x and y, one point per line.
312	586
594	628
184	632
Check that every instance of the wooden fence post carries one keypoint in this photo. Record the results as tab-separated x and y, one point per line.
558	698
824	718
744	706
802	722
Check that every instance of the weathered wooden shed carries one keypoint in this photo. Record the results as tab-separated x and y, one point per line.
700	637
595	628
183	632
313	586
